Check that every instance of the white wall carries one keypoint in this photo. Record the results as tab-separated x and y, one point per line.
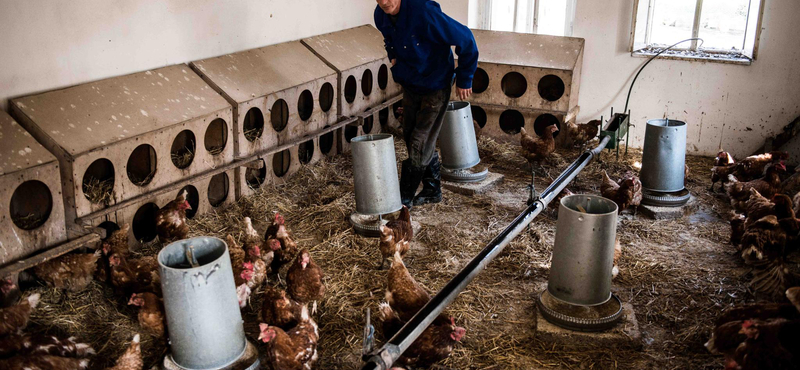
725	106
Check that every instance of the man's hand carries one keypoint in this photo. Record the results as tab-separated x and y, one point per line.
393	62
463	94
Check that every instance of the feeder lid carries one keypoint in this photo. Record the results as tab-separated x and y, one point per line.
258	72
528	50
84	117
349	48
20	150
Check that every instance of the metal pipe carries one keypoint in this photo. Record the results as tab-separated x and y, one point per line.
383	358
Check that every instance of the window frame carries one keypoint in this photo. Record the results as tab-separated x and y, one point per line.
531	18
750	43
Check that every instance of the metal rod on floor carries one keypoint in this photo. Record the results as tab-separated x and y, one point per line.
383	358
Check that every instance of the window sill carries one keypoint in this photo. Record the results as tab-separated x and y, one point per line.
695	56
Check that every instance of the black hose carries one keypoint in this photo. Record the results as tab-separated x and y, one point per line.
648	62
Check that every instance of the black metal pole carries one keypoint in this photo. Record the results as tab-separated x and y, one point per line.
383	358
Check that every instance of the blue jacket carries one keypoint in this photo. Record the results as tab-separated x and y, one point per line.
421	40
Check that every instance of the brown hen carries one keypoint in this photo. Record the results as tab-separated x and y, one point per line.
171	219
396	235
151	312
43	362
73	272
753	166
536	149
15	318
42	344
304	280
434	344
627	193
295	349
724	165
583	133
131	359
279	310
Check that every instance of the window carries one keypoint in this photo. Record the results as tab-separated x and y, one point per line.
729	29
548	17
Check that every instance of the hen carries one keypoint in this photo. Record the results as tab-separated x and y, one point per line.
295	349
117	242
151	312
625	194
277	230
581	134
304	280
434	344
171	220
395	236
43	362
9	293
536	149
41	344
15	318
772	344
404	294
242	271
279	310
766	186
132	358
252	246
793	294
753	166
73	272
135	274
737	227
724	165
764	239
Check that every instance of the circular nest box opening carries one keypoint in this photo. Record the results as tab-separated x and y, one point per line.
366	82
306	151
326	142
193	197
514	84
183	148
218	189
480	81
350	89
326	97
395	109
279	115
383	116
305	105
281	162
511	121
545	120
98	182
253	125
144	223
142	165
479	115
350	131
109	227
31	205
551	87
216	136
368	123
256	176
383	77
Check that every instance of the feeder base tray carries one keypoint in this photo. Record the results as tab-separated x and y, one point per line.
661	199
669	213
248	361
463	175
472	188
369	226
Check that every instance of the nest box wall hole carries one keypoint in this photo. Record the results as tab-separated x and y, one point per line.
142	165
350	131
253	124
383	77
326	97
551	87
350	89
279	115
366	82
98	181
218	189
511	121
514	84
395	107
256	176
479	115
368	121
545	120
305	105
216	136
480	81
31	205
383	116
306	151
326	142
144	223
183	148
109	227
193	197
281	162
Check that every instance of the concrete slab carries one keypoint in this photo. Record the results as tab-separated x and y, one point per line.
669	213
472	188
625	334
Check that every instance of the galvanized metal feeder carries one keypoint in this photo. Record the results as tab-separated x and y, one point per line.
377	187
578	294
458	145
204	322
663	163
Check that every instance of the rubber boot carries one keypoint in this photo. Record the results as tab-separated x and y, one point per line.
431	183
410	177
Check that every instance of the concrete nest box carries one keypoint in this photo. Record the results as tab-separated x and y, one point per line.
124	137
30	200
359	58
524	80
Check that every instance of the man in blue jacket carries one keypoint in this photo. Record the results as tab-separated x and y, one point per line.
418	38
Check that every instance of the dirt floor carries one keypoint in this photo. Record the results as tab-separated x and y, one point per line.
678	274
